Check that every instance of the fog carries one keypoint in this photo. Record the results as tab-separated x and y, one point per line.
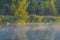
32	31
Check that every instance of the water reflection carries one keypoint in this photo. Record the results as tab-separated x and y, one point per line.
30	31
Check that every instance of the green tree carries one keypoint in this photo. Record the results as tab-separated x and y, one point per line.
34	19
50	4
19	9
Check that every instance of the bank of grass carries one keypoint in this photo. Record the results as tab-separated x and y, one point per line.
58	19
33	19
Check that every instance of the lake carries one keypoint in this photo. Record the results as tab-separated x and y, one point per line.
31	31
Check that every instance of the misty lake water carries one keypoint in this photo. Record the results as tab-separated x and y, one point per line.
30	31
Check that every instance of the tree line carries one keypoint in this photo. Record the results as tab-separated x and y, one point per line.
28	7
25	8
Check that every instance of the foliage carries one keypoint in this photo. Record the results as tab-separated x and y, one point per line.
34	19
49	20
20	10
42	7
23	8
22	19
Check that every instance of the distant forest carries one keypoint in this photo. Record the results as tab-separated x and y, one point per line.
30	7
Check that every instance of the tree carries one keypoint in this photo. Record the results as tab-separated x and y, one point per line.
16	8
34	19
20	10
50	5
21	7
35	7
53	7
57	2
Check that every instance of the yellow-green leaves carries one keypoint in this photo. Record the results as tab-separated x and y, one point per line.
53	7
21	9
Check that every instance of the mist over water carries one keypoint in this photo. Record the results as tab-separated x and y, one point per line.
31	31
